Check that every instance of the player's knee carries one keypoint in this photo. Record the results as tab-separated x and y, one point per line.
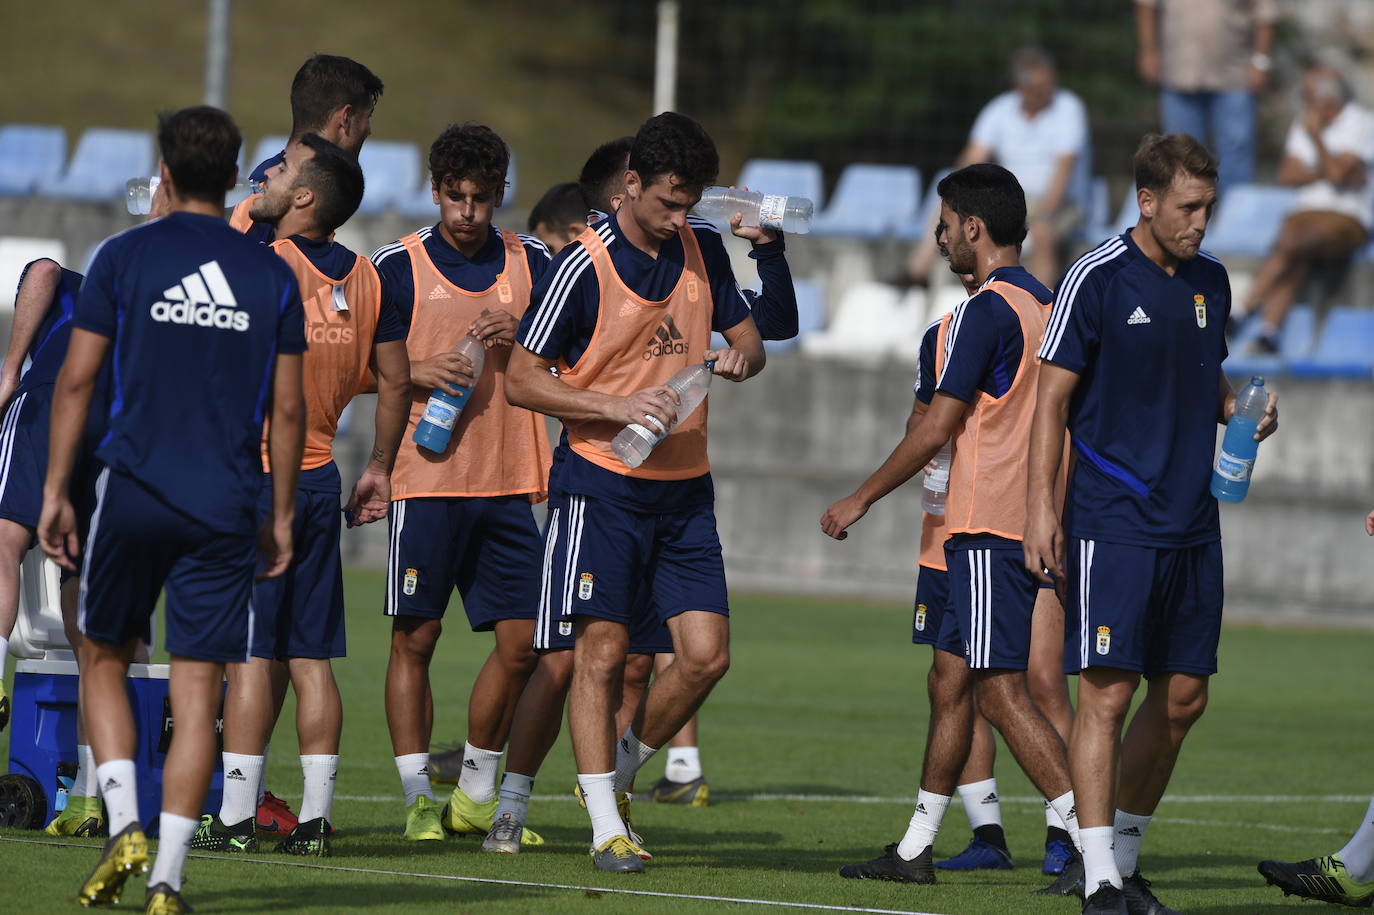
703	667
1186	709
415	643
638	669
1047	688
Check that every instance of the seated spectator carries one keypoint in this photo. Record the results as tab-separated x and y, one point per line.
559	216
1038	132
1328	155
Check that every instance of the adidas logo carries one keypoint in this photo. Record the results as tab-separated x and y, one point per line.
236	774
625	744
990	799
202	299
439	292
470	764
111	785
920	808
1138	316
424	770
1073	813
1129	832
666	341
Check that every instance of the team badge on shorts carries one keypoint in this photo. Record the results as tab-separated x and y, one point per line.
1104	639
565	627
584	586
920	617
1200	306
411	579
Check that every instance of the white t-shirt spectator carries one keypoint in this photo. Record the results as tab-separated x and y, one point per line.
1029	147
1351	132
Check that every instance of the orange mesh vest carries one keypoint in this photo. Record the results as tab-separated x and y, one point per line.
340	324
496	449
987	481
239	220
933	526
638	344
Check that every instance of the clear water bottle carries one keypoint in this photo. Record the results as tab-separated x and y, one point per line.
435	427
636	442
772	211
138	194
1236	461
936	486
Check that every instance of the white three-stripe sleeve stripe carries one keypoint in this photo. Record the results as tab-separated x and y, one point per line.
8	432
1073	280
564	281
541	633
955	321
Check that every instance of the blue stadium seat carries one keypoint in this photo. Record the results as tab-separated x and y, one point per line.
1247	220
1345	348
1295	343
105	158
30	153
267	147
1097	216
810	315
916	228
391	170
793	178
871	201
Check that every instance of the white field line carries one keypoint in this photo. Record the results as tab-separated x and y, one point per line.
875	799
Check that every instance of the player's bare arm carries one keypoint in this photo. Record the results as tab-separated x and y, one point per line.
495	328
371	495
923	440
1226	408
31	305
745	357
71	402
1044	543
531	384
447	371
285	443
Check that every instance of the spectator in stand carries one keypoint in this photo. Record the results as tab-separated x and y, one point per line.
1209	59
1038	132
1328	155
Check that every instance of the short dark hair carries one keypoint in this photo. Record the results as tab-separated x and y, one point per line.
471	151
1160	159
992	194
674	144
604	174
324	84
201	148
337	180
561	206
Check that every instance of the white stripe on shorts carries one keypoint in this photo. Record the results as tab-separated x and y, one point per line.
102	482
1085	580
542	637
7	435
577	509
393	559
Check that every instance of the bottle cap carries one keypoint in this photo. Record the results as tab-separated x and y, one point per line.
710	365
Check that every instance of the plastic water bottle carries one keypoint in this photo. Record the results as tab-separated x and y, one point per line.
636	442
1235	463
936	485
772	211
436	424
138	194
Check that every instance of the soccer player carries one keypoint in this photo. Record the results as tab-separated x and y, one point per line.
1132	367
1345	878
559	216
983	401
202	327
333	97
299	618
656	288
463	518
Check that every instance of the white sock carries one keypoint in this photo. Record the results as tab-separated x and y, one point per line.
1358	854
4	653
414	771
242	774
981	803
84	783
262	782
318	773
925	824
478	780
599	793
1099	861
1052	818
174	840
630	754
515	797
1130	832
1063	805
683	766
119	787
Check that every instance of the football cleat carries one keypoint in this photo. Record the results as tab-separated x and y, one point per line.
892	866
310	838
622	806
83	816
618	855
1324	879
445	767
979	856
163	900
274	816
1105	900
422	820
1140	899
695	793
504	835
1058	852
464	816
4	703
214	835
123	856
1069	882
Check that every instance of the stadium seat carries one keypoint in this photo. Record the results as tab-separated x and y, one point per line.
923	221
871	201
794	178
267	147
16	252
30	153
1248	219
873	319
391	170
1295	343
1345	348
104	160
1097	218
810	315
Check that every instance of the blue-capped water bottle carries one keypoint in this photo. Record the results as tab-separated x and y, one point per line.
1236	461
435	427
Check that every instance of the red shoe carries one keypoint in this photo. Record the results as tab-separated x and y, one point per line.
275	816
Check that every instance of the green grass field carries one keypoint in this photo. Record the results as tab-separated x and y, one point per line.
812	746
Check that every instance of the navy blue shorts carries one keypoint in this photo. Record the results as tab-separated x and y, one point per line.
648	633
301	613
488	548
993	597
933	622
1148	610
603	560
138	544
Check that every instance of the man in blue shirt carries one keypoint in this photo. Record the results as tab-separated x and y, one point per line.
204	332
1133	356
